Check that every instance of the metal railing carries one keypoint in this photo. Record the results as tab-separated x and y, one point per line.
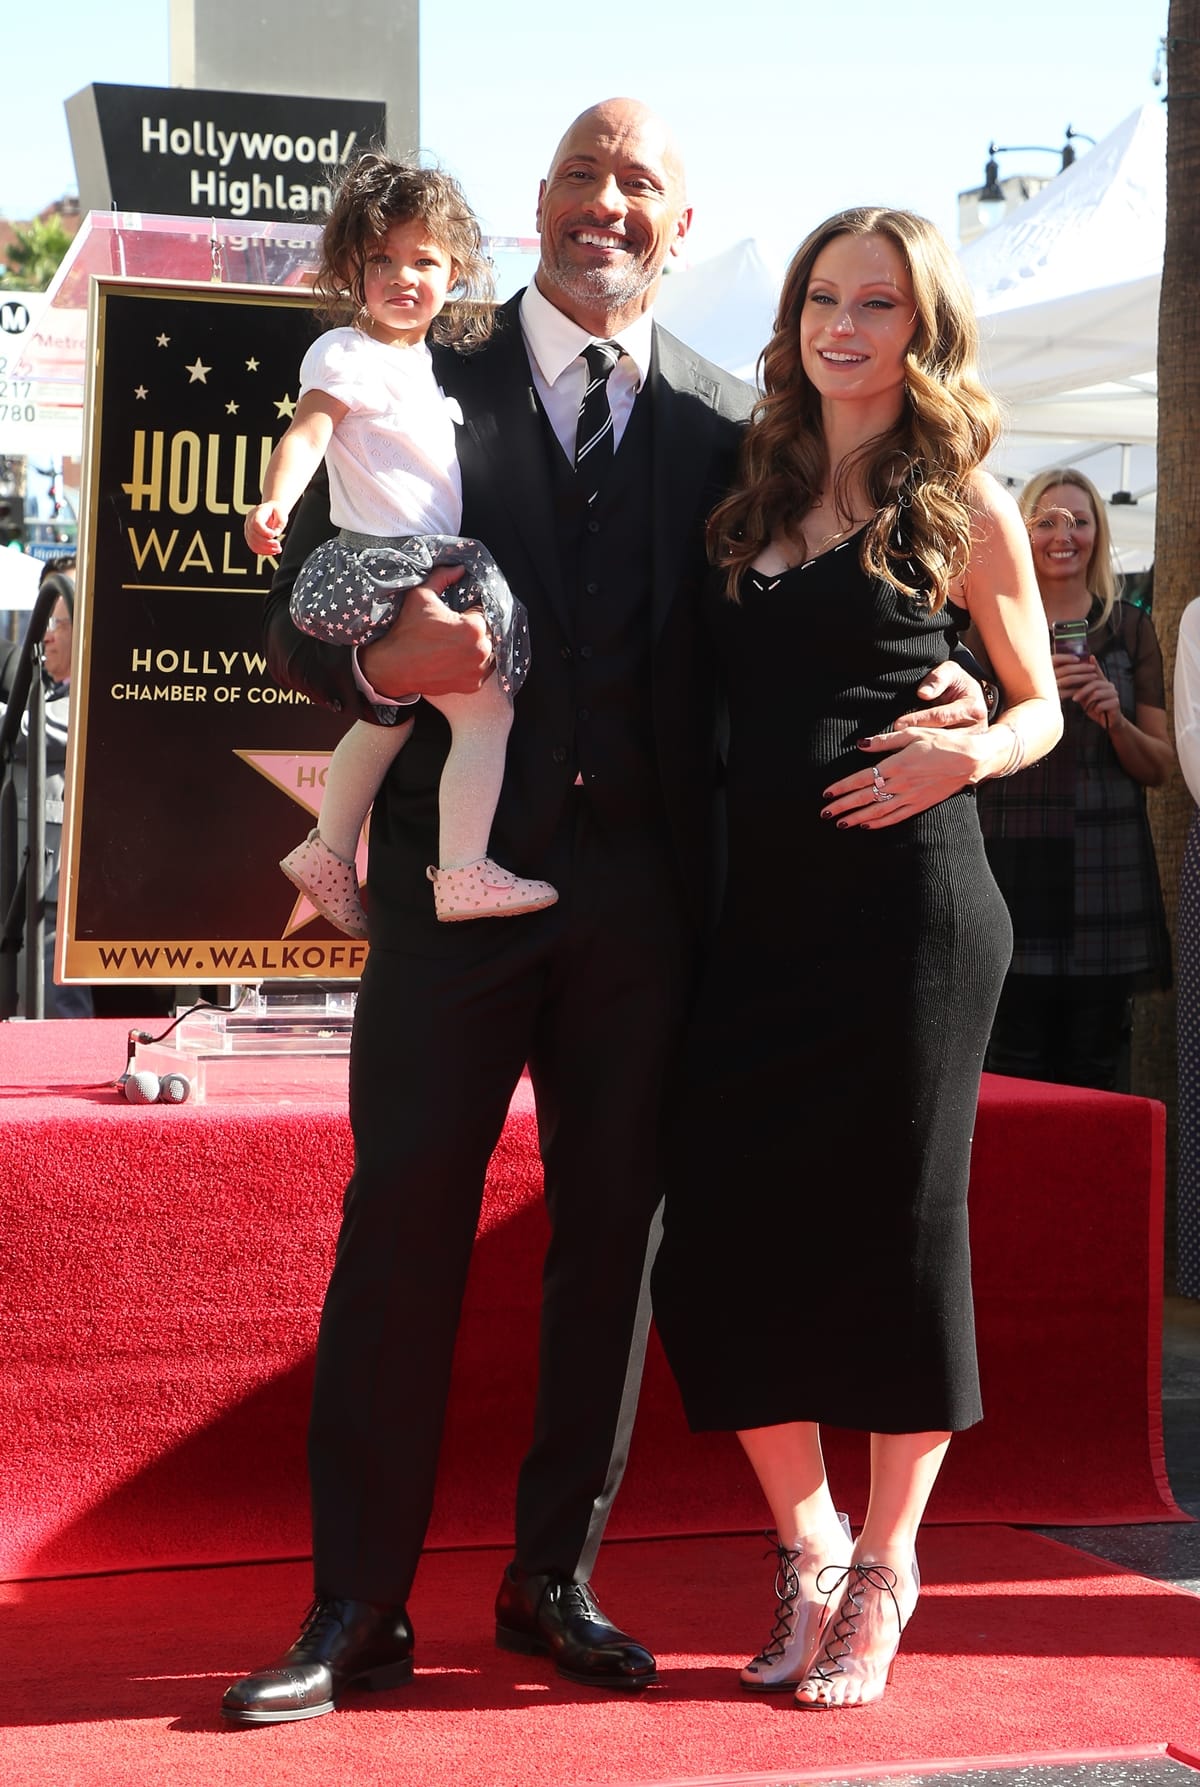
23	882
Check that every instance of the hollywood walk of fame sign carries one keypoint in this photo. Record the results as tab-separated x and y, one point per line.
192	773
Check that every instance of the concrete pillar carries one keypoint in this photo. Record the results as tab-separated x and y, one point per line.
334	49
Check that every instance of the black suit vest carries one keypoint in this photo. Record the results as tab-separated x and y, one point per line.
605	553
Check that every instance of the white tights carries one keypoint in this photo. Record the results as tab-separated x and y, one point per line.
470	785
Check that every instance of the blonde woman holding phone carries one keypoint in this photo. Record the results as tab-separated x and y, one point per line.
1068	839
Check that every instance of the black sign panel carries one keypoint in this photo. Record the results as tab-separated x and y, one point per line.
187	152
191	772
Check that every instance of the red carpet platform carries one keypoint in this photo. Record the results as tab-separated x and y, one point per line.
163	1269
1020	1649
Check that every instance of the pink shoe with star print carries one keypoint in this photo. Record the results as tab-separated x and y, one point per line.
483	889
330	883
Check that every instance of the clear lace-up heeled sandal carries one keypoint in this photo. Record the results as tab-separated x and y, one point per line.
836	1657
783	1660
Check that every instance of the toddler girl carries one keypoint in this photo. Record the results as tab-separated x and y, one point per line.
399	238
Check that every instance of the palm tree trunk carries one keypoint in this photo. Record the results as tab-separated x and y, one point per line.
1177	524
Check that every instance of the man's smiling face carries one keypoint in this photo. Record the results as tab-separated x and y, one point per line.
610	213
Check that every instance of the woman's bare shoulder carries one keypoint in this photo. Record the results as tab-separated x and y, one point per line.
991	501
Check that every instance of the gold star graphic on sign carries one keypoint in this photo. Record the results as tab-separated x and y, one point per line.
198	371
163	340
140	392
231	408
251	364
285	406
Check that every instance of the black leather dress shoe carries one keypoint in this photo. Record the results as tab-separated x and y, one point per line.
341	1644
545	1615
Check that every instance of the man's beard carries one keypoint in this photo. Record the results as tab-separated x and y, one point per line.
614	287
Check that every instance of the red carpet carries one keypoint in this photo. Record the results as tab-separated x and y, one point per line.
1020	1648
164	1268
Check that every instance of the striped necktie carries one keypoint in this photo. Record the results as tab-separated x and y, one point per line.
594	430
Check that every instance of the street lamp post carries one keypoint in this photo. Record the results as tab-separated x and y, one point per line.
980	207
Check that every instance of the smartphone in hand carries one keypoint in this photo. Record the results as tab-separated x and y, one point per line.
1070	636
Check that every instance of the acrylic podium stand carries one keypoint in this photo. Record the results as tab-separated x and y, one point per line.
269	1043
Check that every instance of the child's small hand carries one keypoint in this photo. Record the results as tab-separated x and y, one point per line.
264	528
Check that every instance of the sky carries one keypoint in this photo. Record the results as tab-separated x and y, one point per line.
786	110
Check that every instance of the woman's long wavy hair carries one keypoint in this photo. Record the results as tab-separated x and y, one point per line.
1101	576
375	192
916	475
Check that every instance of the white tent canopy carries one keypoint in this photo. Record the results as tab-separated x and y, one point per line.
724	307
1070	344
1067	291
1067	286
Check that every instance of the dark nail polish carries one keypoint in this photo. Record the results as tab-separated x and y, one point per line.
843	824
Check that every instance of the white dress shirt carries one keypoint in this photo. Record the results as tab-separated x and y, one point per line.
555	346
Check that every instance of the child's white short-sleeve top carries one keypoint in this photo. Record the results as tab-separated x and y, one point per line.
392	464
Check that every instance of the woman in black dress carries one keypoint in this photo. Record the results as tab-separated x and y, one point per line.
815	1264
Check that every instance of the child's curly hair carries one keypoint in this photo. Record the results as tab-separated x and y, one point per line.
375	192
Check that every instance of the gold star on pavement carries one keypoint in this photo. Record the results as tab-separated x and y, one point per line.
285	406
163	340
140	392
231	408
252	364
198	372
